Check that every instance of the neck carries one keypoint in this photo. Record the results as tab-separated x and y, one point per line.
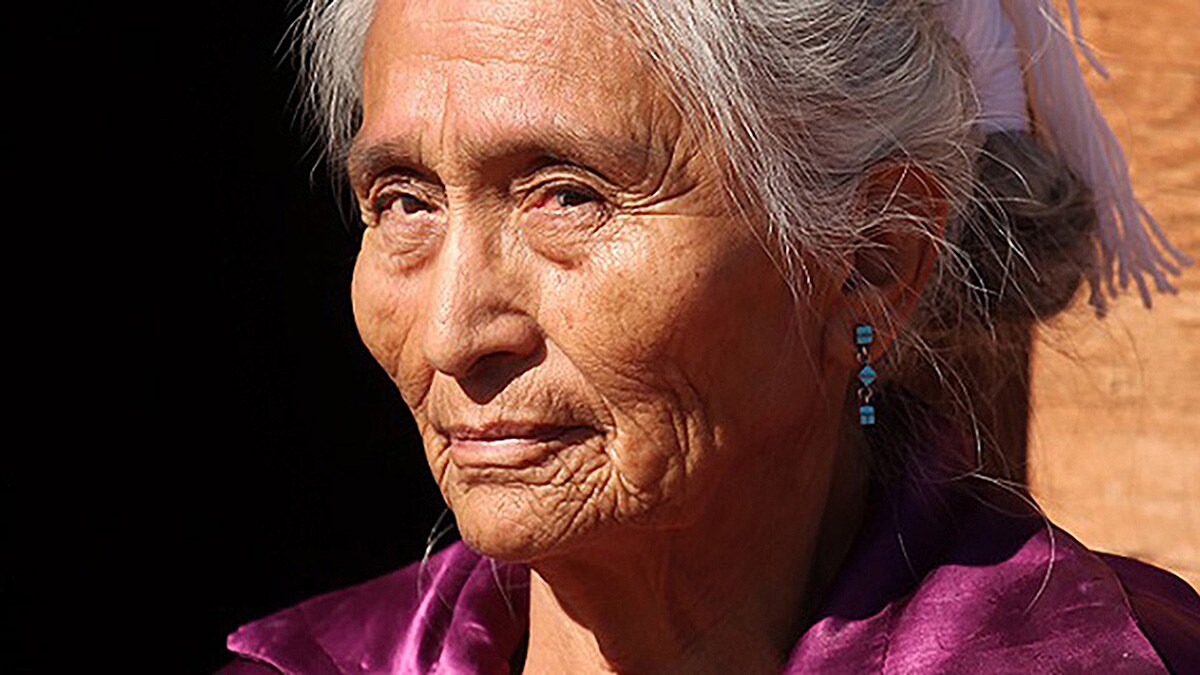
731	592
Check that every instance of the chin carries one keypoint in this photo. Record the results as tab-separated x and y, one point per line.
506	546
519	523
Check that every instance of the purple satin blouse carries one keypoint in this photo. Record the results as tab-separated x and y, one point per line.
941	579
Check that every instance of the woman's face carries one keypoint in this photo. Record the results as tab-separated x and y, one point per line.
589	340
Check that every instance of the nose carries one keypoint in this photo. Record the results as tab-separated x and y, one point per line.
479	331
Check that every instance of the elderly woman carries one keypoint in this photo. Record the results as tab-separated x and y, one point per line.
680	295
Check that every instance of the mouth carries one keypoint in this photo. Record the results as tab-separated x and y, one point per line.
511	444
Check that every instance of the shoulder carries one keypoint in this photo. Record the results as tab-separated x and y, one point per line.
1015	588
1052	603
397	623
968	581
1165	607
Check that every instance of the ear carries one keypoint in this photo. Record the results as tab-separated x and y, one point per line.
882	281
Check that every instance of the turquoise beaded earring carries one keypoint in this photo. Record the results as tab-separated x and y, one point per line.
864	335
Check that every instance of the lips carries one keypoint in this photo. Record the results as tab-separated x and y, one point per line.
511	444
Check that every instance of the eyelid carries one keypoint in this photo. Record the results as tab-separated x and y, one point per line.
553	188
543	196
401	184
563	176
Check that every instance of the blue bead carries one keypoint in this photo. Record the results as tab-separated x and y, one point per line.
864	334
866	415
867	375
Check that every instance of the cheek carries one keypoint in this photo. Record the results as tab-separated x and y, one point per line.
754	352
623	321
386	307
689	338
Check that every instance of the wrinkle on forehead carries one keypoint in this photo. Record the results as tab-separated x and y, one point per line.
563	37
477	75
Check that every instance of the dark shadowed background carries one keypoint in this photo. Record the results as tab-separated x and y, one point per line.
289	464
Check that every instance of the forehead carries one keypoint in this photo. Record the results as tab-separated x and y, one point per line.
499	30
467	73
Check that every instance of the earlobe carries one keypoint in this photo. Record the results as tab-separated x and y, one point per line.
839	337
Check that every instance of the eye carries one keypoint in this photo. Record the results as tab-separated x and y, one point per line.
407	203
411	204
398	203
567	197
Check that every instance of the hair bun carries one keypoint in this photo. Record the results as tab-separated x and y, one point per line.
1028	235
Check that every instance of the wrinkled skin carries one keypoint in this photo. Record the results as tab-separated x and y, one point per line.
612	380
540	278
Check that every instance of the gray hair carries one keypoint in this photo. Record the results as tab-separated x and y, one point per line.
804	98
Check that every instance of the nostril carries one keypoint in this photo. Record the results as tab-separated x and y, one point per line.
484	341
492	373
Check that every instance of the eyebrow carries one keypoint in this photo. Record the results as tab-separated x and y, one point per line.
623	162
365	162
